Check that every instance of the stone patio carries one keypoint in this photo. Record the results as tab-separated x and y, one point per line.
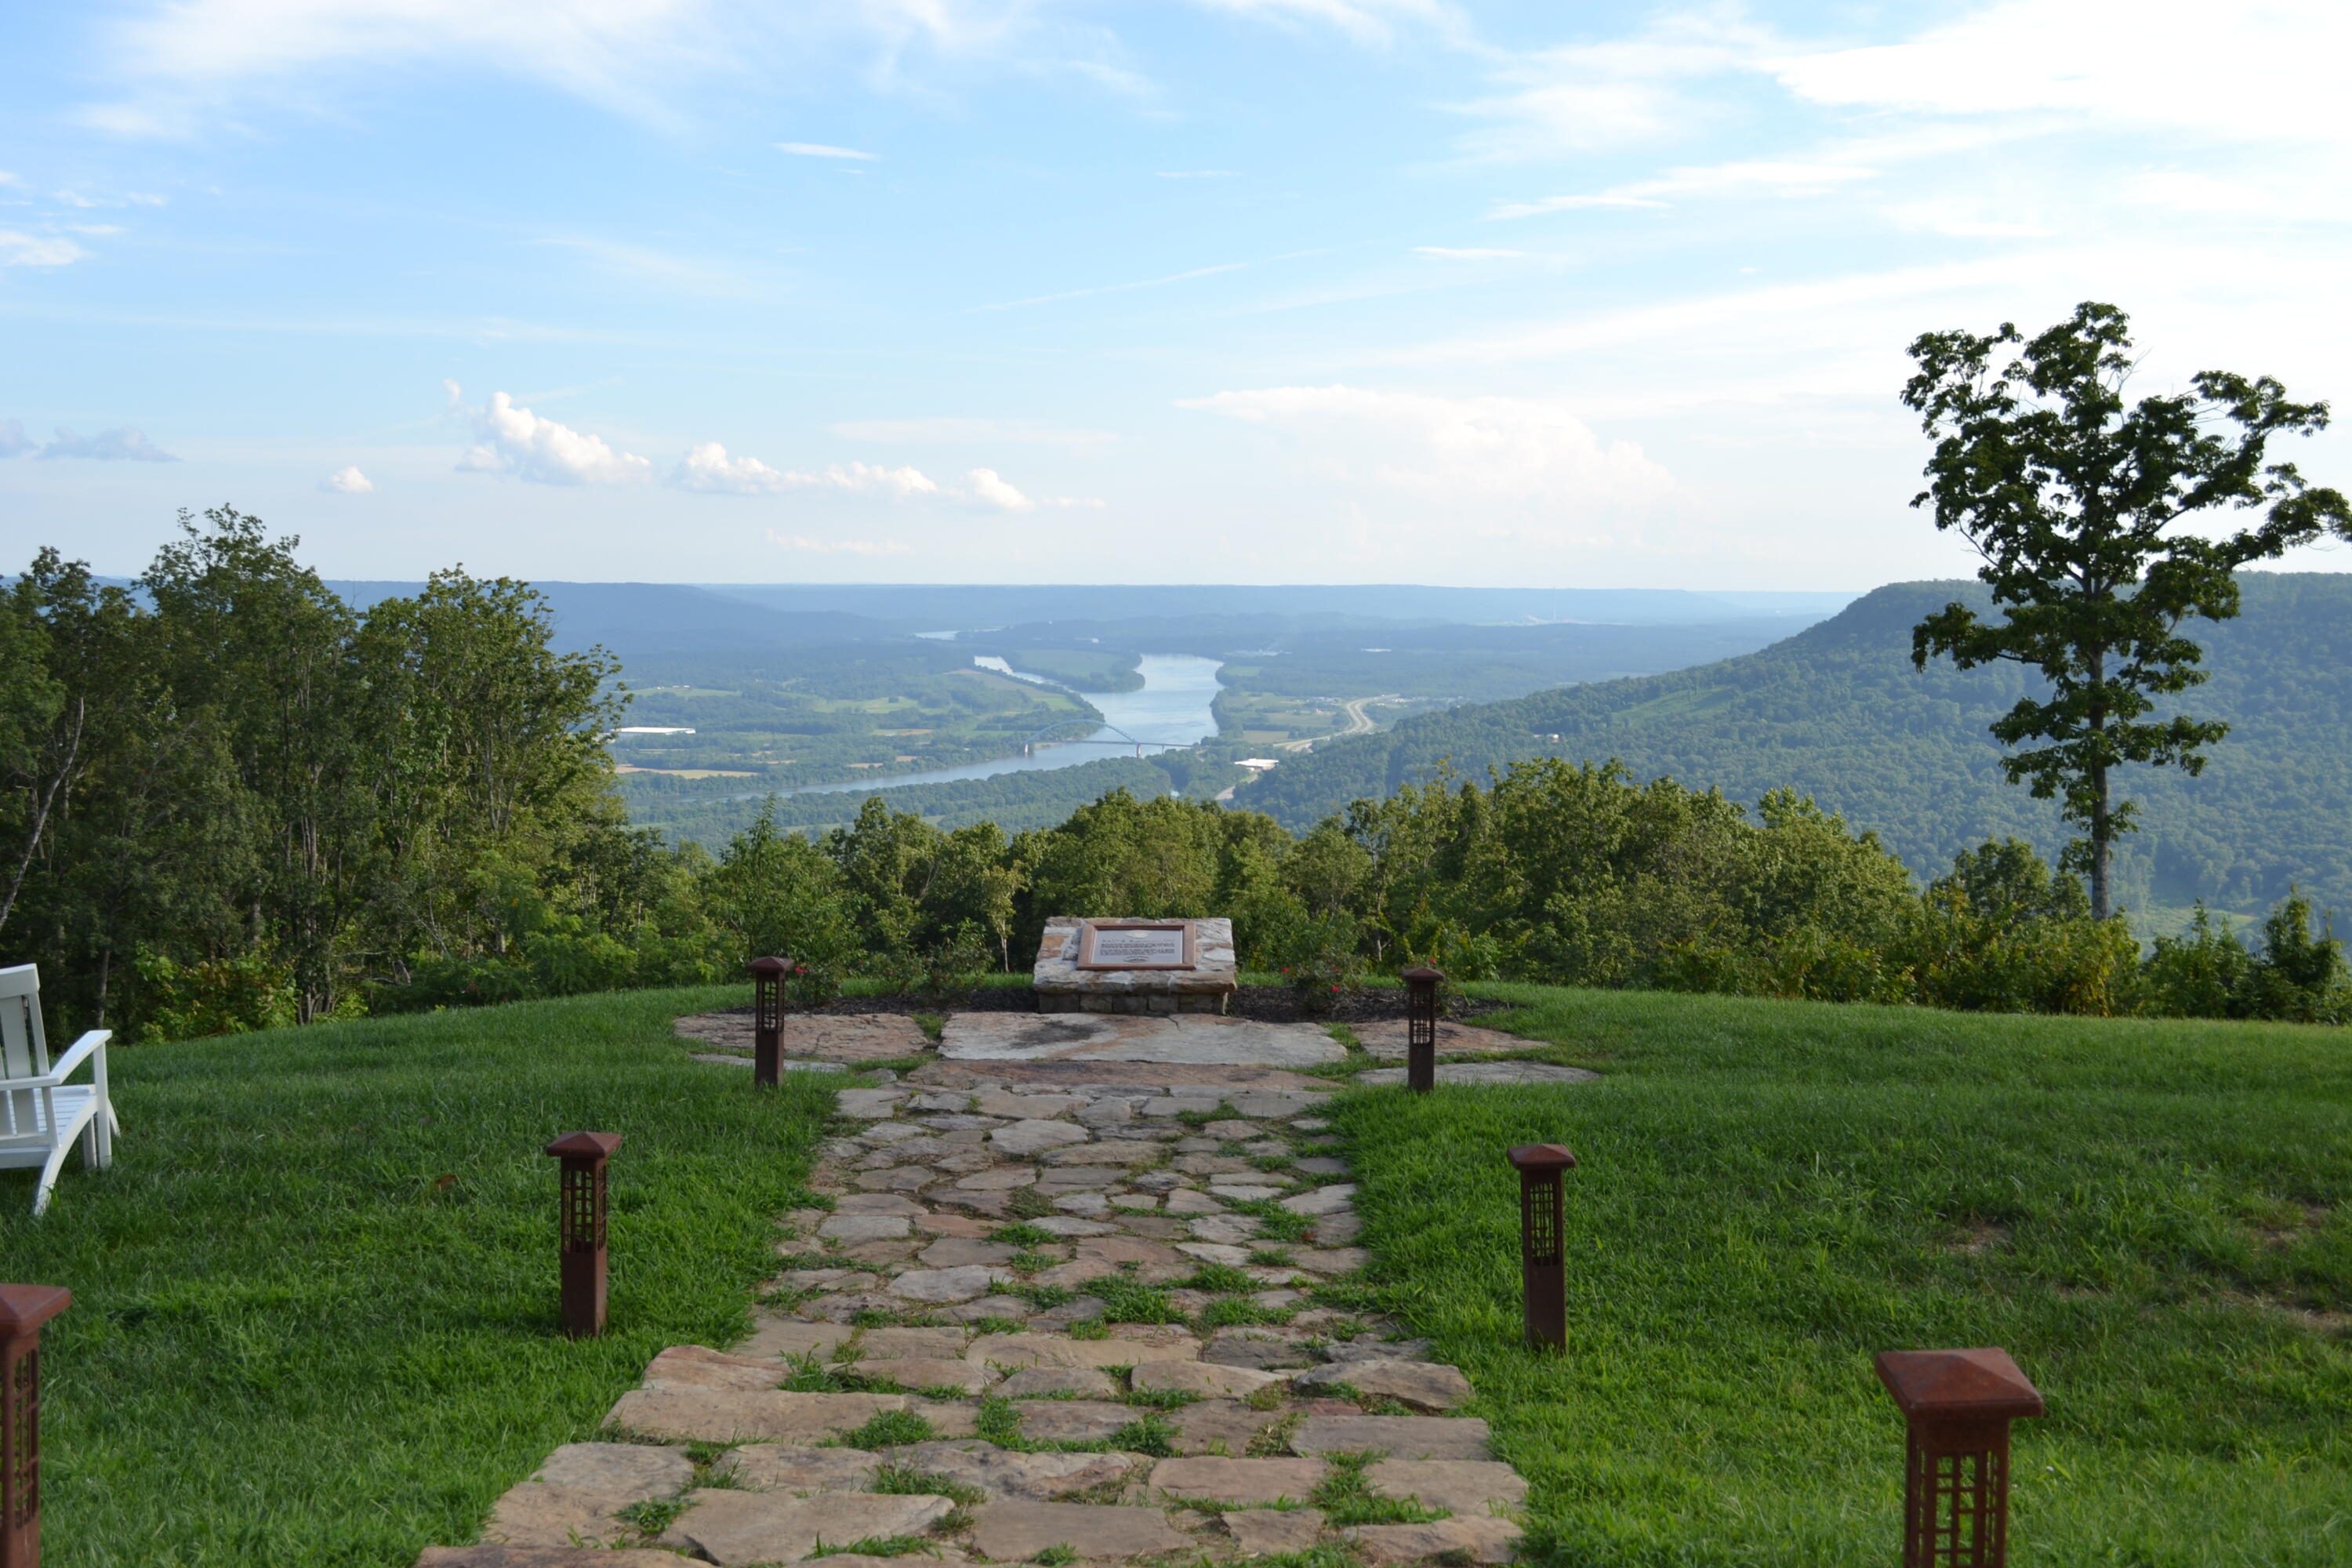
932	1320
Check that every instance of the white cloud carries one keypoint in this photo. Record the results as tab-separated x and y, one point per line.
950	430
819	150
14	442
121	445
986	486
838	546
1587	97
347	481
1452	450
1448	253
868	479
182	63
2164	63
38	250
1777	180
708	468
514	440
1366	21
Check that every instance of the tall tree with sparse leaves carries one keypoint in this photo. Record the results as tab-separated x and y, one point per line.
2076	500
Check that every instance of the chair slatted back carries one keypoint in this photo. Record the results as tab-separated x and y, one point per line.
25	1113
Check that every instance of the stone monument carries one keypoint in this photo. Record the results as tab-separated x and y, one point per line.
1134	967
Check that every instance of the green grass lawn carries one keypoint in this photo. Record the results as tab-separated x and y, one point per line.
294	1342
2149	1215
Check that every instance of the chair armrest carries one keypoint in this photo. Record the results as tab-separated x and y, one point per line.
89	1045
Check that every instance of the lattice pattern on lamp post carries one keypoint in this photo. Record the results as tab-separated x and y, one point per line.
22	1309
1543	1251
768	1018
1420	1028
580	1228
1957	1406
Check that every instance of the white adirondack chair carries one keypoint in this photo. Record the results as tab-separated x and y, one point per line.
40	1113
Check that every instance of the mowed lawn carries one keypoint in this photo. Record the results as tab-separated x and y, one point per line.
315	1302
2149	1215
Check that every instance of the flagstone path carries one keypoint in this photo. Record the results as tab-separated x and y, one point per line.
1060	1311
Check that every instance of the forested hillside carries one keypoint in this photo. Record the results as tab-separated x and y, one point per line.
1838	713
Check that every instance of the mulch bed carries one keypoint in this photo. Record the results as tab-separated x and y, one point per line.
1264	1004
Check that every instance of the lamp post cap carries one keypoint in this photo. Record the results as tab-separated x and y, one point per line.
1541	1157
585	1145
769	968
1426	975
1975	1384
24	1308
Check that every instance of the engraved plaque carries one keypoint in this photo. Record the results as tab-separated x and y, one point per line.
1158	944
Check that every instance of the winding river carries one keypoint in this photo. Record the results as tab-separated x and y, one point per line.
1169	709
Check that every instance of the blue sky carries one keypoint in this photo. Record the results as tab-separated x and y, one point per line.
1199	290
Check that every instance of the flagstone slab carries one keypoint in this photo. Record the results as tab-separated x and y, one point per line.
784	1337
537	1514
698	1366
1074	1421
1268	1532
1465	1537
1016	1531
1005	1475
1220	1426
1207	1379
944	1285
1192	1040
1065	1382
1464	1486
1399	1436
721	1416
732	1528
1055	1350
776	1466
629	1471
1418	1384
1238	1480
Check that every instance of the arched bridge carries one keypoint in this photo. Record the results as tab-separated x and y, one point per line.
1029	746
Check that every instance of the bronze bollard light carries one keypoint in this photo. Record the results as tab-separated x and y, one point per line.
22	1309
1958	1406
1420	1028
1543	1257
768	1018
580	1228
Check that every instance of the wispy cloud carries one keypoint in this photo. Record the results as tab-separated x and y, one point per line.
1366	21
18	249
123	444
1782	181
1448	253
820	150
838	546
14	442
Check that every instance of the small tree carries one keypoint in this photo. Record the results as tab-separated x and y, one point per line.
2072	498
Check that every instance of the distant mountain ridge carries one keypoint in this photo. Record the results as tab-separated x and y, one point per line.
636	619
1837	712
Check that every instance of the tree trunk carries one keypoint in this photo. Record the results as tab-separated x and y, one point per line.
2101	829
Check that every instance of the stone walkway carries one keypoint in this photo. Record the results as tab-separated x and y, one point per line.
1060	1311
